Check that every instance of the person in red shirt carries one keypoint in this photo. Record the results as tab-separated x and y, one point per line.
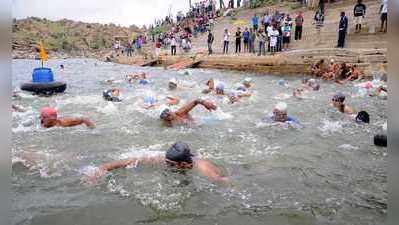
298	26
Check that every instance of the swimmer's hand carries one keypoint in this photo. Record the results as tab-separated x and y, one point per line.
94	175
88	123
208	105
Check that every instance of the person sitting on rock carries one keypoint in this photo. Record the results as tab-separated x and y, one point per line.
355	73
319	68
332	71
182	116
49	118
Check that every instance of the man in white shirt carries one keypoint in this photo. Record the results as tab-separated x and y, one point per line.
273	34
384	15
173	45
226	38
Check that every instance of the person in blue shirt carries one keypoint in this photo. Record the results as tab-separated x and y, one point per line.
255	22
245	36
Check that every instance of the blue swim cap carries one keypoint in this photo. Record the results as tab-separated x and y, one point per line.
220	86
281	82
150	100
338	97
143	81
242	88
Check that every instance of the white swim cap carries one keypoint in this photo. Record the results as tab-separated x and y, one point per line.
248	80
281	106
220	86
173	80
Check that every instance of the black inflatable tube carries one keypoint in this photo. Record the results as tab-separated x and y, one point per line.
44	88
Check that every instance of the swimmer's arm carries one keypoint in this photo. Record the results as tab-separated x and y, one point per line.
117	164
70	122
131	161
349	110
184	110
210	171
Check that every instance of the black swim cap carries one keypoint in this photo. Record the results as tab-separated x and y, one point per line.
164	113
179	152
380	140
363	116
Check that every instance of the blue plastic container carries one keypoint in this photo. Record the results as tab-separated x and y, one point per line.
42	75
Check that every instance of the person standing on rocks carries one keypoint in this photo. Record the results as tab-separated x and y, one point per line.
210	42
238	40
255	22
226	38
251	41
245	36
359	11
286	29
298	26
262	41
173	45
384	15
343	27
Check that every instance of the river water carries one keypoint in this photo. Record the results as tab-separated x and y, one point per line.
326	172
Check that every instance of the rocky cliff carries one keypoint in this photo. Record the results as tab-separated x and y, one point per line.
65	38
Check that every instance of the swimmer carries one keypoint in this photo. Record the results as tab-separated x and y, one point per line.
178	156
338	102
172	84
298	93
150	102
49	118
211	86
182	116
247	82
139	76
220	89
236	95
113	95
312	84
362	117
61	66
279	113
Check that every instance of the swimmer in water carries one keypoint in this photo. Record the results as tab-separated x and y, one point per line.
311	84
182	116
247	82
172	84
178	156
211	86
113	95
279	113
61	66
337	101
139	76
49	118
219	89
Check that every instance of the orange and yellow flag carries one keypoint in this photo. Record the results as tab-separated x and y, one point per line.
42	53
